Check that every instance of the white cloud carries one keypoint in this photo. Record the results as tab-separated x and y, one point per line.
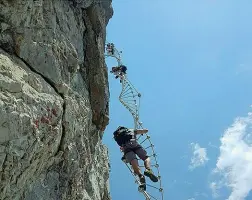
235	160
199	157
215	187
191	199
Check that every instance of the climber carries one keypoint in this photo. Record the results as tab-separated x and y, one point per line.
126	139
115	71
110	48
119	71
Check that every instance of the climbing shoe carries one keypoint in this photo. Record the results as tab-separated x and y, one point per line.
149	173
142	182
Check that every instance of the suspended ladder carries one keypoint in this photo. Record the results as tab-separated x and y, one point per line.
130	99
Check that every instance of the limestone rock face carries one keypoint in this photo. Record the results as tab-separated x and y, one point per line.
53	99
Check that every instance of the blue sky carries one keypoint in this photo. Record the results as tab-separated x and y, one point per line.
192	63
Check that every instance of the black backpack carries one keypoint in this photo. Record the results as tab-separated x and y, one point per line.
122	135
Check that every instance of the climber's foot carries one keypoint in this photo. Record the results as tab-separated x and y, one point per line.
149	173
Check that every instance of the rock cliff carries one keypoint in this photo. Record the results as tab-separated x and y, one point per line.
53	99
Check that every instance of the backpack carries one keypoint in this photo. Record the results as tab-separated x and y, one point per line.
122	135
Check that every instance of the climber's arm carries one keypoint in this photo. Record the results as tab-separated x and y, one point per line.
141	131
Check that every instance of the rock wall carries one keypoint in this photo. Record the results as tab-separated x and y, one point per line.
53	99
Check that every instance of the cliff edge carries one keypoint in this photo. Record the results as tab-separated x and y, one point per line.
53	99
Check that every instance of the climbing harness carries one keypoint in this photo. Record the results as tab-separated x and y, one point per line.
130	99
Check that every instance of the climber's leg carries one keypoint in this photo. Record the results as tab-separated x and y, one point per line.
132	159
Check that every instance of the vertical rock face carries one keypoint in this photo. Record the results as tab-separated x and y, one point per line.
53	99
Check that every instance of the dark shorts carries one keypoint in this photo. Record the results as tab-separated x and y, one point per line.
131	149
